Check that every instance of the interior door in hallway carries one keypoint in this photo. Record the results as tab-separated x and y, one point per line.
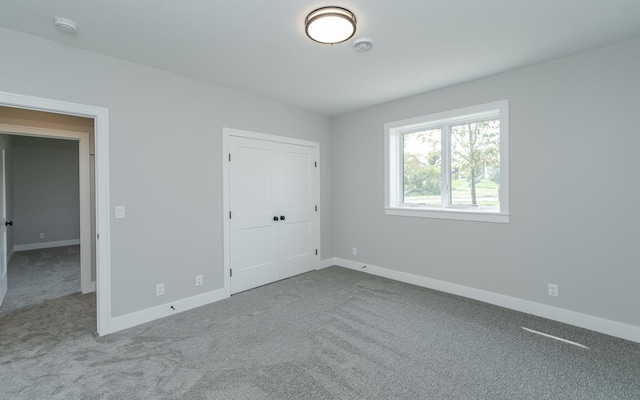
3	226
273	219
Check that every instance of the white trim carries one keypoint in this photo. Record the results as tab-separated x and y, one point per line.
101	132
326	263
226	227
47	245
447	213
164	310
226	224
318	191
613	328
471	114
268	137
84	189
12	249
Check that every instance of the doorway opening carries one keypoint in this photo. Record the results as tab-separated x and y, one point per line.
43	170
99	116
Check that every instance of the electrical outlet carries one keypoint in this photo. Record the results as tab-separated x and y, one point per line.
354	251
42	236
198	280
553	290
160	289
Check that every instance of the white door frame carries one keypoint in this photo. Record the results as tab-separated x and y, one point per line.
101	131
226	133
4	260
86	285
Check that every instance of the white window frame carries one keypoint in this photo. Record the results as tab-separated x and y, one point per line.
394	153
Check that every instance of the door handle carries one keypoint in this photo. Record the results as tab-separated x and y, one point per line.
7	223
282	218
275	218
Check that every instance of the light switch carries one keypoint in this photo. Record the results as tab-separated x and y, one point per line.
119	212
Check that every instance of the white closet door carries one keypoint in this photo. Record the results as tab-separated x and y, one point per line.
297	201
273	192
253	200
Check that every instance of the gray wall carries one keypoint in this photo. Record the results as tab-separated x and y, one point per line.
45	190
574	193
165	160
573	160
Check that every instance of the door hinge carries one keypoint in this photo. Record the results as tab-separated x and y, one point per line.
316	251
229	214
231	272
316	208
229	156
316	164
98	236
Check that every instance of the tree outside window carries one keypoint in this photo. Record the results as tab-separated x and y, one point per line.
449	165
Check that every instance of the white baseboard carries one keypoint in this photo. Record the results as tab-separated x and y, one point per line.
613	328
326	263
150	314
91	289
45	245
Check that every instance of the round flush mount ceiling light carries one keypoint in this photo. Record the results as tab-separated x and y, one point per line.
363	44
330	25
65	25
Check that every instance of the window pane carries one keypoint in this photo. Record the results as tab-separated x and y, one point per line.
423	168
475	165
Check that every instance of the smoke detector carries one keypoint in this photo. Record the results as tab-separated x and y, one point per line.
363	44
65	25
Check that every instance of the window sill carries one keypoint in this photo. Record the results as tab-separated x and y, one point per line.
464	215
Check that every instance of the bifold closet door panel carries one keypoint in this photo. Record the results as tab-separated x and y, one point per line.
297	201
253	202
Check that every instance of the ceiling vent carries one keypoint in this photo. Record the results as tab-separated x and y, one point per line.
363	44
65	25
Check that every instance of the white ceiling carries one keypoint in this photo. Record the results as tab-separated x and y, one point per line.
259	46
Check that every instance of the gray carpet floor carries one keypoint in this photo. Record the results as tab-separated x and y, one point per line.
329	334
44	274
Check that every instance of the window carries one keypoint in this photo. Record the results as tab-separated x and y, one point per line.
449	165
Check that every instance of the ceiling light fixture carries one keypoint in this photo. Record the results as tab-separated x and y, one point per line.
65	25
330	25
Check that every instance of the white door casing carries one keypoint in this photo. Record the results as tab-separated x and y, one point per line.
3	226
271	199
86	250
